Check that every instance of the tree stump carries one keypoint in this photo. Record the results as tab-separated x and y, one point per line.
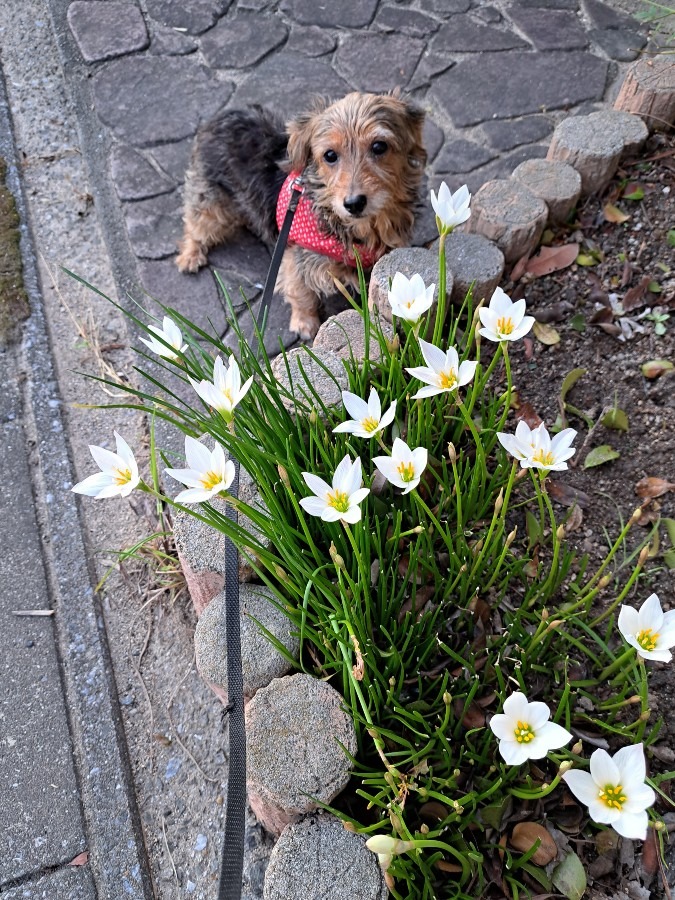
554	182
648	90
508	214
592	150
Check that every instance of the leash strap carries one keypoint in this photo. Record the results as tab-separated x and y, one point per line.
232	867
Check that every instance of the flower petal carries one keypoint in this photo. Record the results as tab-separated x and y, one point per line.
313	505
582	785
650	614
632	825
603	769
513	753
316	485
517	707
631	764
502	726
355	406
554	735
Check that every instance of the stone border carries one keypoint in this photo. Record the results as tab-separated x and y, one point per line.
509	216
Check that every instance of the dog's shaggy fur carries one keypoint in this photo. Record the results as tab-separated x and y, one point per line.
362	160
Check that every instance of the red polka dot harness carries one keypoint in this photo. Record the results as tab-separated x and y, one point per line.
306	232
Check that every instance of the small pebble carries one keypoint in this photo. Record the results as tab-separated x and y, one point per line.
172	767
200	843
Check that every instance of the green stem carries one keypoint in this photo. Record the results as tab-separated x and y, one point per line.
509	385
622	596
440	306
480	455
619	663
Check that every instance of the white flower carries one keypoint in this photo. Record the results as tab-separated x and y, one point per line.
118	475
208	475
504	320
536	450
169	332
409	298
649	629
339	500
451	209
443	371
226	390
367	417
387	847
404	467
614	791
524	730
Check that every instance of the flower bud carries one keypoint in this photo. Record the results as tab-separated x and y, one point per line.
511	536
544	614
577	748
560	532
424	828
349	826
565	766
281	574
604	581
644	553
313	417
393	344
452	453
383	843
499	502
447	698
553	624
283	474
338	561
637	515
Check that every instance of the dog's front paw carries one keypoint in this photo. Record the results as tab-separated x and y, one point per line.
305	326
191	258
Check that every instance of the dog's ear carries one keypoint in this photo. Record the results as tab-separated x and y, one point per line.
300	131
412	117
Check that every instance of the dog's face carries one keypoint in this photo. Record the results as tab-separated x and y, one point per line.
363	158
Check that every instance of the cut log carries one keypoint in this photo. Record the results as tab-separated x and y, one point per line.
648	90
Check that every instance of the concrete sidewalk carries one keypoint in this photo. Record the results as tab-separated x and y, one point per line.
96	120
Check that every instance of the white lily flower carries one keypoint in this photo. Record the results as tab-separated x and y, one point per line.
404	467
339	500
650	630
118	475
443	371
387	847
451	209
409	298
226	390
536	450
367	419
524	730
504	320
169	332
615	791
208	473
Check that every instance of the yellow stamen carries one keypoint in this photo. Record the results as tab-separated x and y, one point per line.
545	457
647	639
210	480
338	500
369	424
406	471
523	733
613	796
122	476
505	325
447	380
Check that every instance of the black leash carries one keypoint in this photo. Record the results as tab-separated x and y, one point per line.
232	867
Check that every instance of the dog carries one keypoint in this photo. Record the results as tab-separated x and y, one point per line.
360	162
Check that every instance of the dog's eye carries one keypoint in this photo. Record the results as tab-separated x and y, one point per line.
330	156
379	147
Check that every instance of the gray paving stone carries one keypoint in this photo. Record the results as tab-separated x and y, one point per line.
195	296
317	857
154	225
310	40
378	62
134	177
405	21
65	884
464	35
104	29
170	42
462	156
173	158
331	13
622	45
277	331
489	14
195	17
579	76
271	79
131	96
505	135
432	138
603	15
242	40
261	661
255	5
547	4
430	65
245	255
550	29
295	727
445	8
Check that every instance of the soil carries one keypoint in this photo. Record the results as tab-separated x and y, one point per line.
606	317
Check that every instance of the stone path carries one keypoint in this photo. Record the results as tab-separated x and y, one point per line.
494	78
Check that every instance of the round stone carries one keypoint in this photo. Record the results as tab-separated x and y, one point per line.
592	149
261	661
314	378
554	182
630	128
475	261
408	261
508	214
294	728
345	336
317	858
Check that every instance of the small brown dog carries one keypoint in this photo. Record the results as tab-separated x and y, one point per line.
360	160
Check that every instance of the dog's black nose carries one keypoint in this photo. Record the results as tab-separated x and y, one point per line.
356	205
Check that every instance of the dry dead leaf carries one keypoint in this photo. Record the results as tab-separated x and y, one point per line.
636	297
655	368
519	269
650	853
566	495
649	487
614	214
474	717
432	809
524	836
448	867
81	859
551	259
526	413
546	334
574	520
